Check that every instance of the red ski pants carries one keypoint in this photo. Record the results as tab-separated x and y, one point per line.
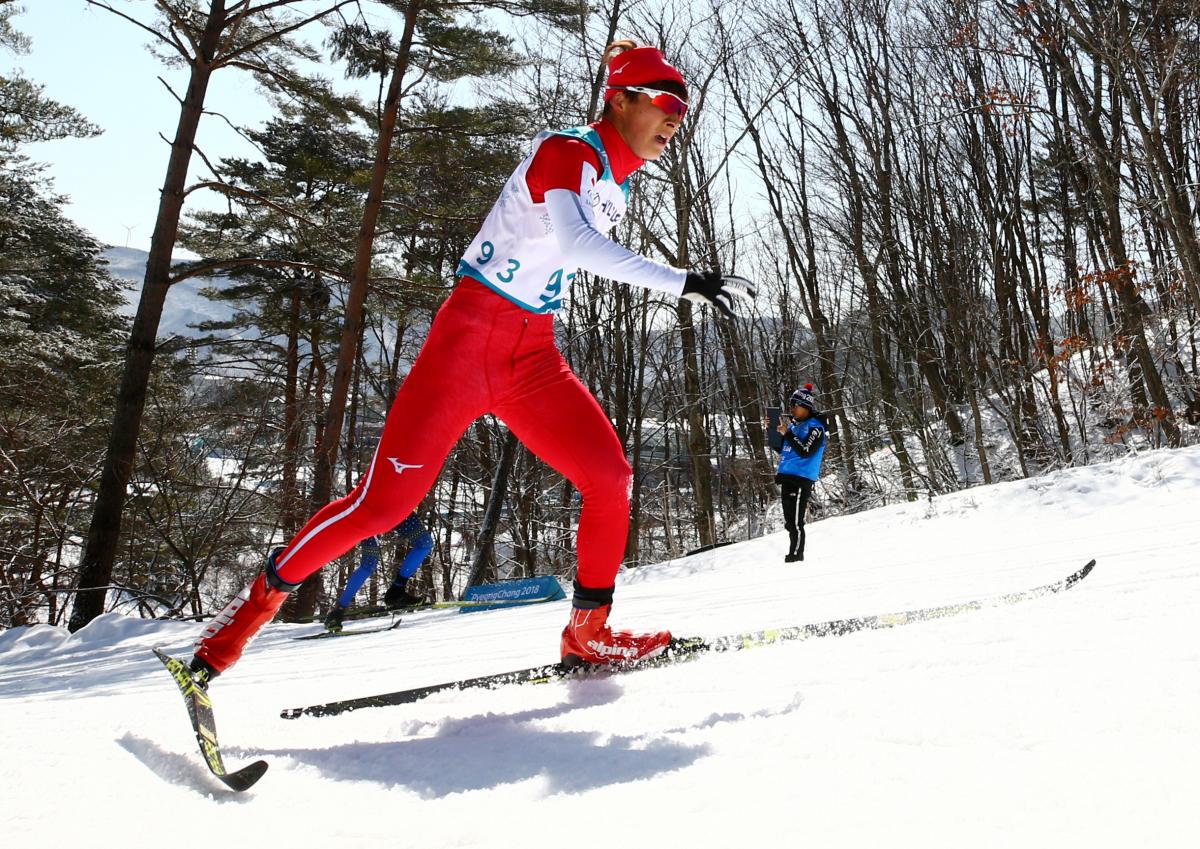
484	354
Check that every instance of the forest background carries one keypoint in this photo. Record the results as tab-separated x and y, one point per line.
974	228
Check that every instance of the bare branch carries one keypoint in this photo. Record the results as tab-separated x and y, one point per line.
180	25
167	86
275	34
228	189
204	156
205	268
173	43
233	127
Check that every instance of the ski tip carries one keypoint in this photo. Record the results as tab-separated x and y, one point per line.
172	663
246	777
1071	580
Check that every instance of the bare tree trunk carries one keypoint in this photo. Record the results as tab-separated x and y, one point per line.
614	20
491	514
447	575
327	447
1148	394
638	415
293	425
100	550
699	448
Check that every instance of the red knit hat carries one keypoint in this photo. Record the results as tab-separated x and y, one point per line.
639	66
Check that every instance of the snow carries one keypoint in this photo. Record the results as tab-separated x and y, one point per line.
186	305
1067	720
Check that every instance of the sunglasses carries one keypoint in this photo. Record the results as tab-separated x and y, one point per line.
664	100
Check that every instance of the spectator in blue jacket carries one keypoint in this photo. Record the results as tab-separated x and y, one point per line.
397	596
804	440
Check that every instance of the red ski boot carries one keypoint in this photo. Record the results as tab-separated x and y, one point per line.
226	636
587	639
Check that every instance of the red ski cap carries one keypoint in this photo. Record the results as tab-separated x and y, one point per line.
639	66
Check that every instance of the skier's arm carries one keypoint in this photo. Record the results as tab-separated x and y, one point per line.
560	175
595	252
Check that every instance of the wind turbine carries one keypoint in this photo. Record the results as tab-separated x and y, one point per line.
128	232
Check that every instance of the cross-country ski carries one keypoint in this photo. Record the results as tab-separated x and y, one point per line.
204	725
691	648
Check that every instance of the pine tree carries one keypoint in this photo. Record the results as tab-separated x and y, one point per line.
59	334
259	38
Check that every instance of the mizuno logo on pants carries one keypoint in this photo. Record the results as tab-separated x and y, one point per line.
401	468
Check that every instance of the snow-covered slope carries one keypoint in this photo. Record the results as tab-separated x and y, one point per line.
185	305
1064	721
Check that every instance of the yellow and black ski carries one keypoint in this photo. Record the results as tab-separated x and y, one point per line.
543	674
687	648
200	712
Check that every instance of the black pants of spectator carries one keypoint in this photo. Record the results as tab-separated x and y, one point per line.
796	492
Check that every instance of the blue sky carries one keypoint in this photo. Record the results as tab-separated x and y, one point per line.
99	64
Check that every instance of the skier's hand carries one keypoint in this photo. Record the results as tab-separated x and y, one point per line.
712	287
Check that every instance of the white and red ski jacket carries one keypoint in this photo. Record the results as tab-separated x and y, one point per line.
552	218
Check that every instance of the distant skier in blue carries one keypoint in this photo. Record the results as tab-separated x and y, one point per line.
397	596
804	440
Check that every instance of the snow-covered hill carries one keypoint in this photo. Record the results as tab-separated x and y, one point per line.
185	306
1064	721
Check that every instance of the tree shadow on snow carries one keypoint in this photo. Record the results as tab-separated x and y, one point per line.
178	769
493	749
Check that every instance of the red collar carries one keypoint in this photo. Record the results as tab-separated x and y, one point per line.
621	157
